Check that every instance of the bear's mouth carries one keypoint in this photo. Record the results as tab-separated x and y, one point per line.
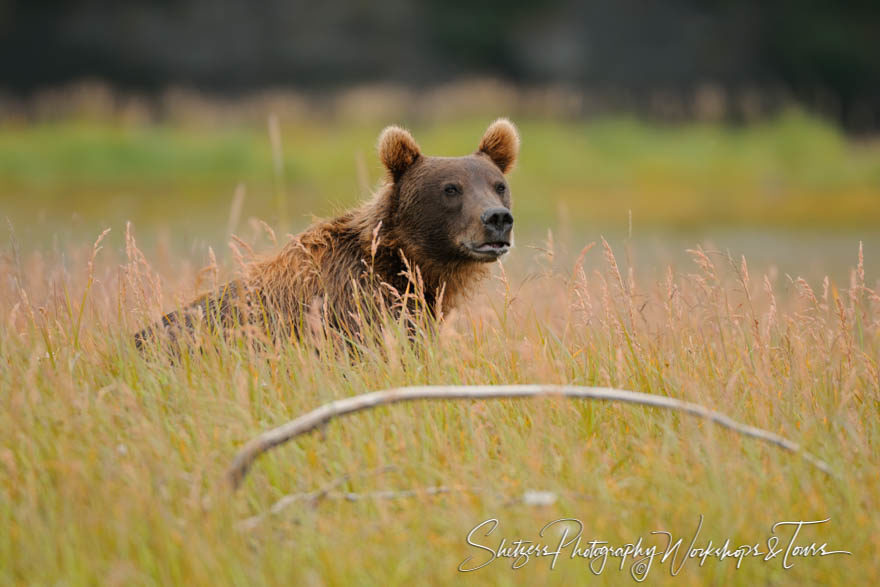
490	250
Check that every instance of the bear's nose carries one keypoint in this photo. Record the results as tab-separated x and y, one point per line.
498	218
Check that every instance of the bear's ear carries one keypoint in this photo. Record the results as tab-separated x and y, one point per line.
398	150
501	144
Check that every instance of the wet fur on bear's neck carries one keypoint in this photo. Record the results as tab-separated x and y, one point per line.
342	270
379	249
362	248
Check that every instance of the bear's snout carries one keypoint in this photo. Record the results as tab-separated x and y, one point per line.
494	240
498	221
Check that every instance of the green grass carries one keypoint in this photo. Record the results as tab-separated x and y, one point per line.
791	172
112	465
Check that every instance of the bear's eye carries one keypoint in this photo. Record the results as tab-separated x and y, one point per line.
451	189
500	188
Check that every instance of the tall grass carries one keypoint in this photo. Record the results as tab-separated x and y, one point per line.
113	462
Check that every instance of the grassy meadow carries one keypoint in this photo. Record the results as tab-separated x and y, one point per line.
739	271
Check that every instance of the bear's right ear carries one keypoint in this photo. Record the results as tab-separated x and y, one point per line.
501	144
398	150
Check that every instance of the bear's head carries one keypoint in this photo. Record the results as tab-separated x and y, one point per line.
451	209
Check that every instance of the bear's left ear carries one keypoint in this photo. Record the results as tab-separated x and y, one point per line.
398	150
501	144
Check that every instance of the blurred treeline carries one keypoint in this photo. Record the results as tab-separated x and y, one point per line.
674	59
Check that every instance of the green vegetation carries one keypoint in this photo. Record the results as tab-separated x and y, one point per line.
112	465
793	172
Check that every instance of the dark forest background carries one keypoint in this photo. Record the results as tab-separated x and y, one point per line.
825	55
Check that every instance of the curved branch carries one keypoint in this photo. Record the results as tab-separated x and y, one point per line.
320	416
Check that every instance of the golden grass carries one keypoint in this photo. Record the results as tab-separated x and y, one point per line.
112	465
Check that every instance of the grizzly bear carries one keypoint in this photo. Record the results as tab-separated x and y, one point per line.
425	238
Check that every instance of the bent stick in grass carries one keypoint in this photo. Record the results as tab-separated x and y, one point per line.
320	416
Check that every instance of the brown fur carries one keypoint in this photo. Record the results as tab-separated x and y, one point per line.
501	144
413	226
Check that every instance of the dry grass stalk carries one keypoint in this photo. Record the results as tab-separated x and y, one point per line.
321	416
